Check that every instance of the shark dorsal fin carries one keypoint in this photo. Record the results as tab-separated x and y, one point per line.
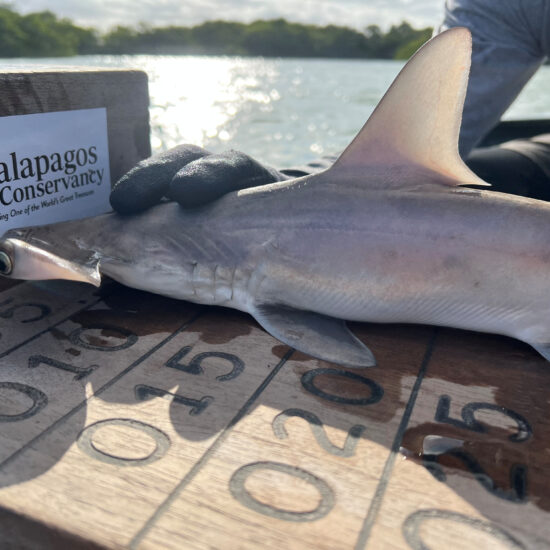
415	126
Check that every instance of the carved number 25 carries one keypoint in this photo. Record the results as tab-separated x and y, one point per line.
518	472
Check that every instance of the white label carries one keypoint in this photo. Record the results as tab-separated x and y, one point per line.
53	167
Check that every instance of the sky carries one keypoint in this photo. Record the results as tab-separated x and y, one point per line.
105	14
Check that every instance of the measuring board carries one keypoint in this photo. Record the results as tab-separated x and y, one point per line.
128	420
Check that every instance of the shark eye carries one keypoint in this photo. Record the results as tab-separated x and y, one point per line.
6	264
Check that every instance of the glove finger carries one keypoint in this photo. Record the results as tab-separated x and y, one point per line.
147	182
209	178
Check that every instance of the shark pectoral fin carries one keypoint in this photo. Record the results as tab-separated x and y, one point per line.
317	335
413	132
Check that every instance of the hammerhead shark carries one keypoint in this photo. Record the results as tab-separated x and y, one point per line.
388	234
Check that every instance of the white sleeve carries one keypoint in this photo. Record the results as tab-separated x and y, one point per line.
509	38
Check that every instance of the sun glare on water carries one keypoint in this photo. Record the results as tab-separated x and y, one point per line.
283	112
200	104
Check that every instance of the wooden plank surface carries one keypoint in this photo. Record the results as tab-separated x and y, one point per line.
132	421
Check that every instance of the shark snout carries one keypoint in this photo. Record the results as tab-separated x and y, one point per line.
21	260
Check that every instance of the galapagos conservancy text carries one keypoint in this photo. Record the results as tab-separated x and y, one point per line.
53	167
48	174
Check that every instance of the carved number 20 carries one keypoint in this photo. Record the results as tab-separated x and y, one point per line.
350	444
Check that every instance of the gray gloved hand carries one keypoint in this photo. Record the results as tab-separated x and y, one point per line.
206	179
189	175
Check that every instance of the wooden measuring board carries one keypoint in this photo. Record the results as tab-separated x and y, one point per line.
128	420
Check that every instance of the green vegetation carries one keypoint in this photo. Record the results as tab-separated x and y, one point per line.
45	35
42	35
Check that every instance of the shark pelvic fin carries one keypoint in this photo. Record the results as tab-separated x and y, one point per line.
317	335
414	129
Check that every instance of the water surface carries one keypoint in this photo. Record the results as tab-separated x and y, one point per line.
281	111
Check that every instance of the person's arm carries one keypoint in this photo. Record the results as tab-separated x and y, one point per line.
510	41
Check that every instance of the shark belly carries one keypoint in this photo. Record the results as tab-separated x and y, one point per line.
472	303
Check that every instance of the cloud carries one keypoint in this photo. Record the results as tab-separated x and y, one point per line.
104	14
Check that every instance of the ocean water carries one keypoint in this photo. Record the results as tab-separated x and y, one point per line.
281	111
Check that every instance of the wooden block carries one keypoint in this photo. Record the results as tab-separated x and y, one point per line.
300	469
137	436
474	466
48	378
30	308
153	423
124	93
6	283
